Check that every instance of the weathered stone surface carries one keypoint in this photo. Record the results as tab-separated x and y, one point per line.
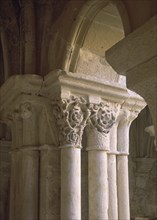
142	169
50	184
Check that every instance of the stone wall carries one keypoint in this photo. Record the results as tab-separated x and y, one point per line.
142	169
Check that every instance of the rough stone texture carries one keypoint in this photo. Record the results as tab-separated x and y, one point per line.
90	63
142	169
144	188
105	30
141	143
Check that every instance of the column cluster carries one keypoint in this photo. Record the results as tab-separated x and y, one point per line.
48	120
34	154
107	128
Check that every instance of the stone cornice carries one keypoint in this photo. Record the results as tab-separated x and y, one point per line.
61	83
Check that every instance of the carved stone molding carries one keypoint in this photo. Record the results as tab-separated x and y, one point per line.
71	116
102	117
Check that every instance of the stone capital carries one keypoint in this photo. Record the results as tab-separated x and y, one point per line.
102	117
71	115
130	109
126	116
21	111
26	110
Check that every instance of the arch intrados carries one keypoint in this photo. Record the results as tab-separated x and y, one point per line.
82	24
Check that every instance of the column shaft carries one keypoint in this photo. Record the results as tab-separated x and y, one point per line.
112	185
123	188
70	184
49	184
29	185
122	167
13	186
112	175
98	185
24	185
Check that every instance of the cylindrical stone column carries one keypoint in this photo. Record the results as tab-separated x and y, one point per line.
97	175
112	174
70	183
123	187
97	185
71	115
126	117
101	120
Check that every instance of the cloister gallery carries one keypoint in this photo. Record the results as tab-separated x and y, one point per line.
78	109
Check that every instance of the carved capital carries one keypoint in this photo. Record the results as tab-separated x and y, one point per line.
23	111
126	116
102	117
26	110
71	116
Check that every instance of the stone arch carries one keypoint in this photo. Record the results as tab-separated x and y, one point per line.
79	23
81	29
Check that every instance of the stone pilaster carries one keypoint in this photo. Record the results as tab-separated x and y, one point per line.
24	164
